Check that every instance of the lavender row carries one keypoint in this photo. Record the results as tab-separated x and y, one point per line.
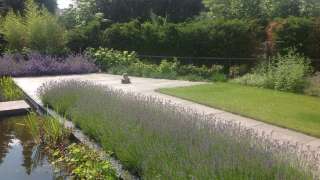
35	64
159	140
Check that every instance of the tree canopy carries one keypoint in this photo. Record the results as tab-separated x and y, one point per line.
125	10
19	5
262	8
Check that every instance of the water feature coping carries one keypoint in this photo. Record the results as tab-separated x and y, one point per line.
12	108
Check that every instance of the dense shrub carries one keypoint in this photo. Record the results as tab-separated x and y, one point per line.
36	64
142	69
158	140
219	38
109	58
14	32
285	73
254	79
290	72
313	87
120	62
37	30
83	37
300	33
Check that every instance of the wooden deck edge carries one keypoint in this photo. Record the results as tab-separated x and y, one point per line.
14	108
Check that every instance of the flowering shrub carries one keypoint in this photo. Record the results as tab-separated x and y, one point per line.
285	73
159	140
36	64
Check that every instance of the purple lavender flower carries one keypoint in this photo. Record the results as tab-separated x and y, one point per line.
35	64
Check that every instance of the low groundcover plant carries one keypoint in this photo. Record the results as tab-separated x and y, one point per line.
78	161
159	140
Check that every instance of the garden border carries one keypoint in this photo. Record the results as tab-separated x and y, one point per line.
80	136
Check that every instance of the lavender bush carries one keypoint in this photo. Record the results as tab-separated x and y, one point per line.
159	140
35	64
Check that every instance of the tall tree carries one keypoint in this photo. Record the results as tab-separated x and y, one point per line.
51	5
235	8
285	8
125	10
261	8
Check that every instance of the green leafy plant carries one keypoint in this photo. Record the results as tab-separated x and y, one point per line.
284	72
9	91
313	87
79	160
14	32
168	69
290	72
119	62
84	163
33	124
36	30
143	69
48	131
299	32
109	58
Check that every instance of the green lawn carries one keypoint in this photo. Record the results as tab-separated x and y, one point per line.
293	111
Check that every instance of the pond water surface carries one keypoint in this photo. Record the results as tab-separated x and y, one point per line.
20	157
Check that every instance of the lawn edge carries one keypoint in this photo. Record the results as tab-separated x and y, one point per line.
161	91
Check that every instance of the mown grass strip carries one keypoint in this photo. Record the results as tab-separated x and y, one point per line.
293	111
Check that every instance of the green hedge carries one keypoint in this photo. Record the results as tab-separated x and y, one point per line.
300	33
221	38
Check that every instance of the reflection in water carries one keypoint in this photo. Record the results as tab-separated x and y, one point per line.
20	157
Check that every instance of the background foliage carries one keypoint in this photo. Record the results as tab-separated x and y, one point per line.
218	38
20	5
37	30
301	33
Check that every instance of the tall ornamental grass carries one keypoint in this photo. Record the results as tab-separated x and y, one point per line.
9	91
159	140
36	30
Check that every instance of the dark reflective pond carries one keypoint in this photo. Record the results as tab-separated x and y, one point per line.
20	157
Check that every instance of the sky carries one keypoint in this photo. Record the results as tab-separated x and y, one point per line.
62	4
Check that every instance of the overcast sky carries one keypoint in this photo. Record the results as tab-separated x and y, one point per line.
62	4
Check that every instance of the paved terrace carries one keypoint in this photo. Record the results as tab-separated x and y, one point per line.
147	86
